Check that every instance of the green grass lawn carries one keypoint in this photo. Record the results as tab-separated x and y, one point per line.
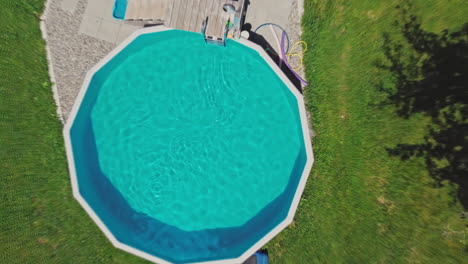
40	222
360	204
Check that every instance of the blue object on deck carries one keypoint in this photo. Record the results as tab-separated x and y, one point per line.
262	258
120	7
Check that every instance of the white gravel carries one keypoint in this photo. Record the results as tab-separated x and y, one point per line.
72	54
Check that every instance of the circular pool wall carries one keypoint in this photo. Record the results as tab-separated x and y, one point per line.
182	151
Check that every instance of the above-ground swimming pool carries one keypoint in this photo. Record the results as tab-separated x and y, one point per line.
183	151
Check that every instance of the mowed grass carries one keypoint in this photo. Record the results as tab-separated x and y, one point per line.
40	222
361	205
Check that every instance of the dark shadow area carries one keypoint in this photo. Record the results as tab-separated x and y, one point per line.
261	41
431	78
152	24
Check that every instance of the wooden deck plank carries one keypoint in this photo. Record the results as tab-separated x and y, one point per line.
221	17
184	14
168	10
214	17
206	11
211	18
200	15
215	20
133	7
158	8
181	16
188	14
145	8
217	13
175	14
194	25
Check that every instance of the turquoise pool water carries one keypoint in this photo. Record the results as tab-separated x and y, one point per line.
188	151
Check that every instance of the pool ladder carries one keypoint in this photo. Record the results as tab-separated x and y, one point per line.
211	39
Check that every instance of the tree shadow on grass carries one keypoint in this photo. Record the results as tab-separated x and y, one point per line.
431	77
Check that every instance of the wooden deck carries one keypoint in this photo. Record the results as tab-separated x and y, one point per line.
146	9
186	14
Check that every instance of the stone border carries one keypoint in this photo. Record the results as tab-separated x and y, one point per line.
50	66
102	226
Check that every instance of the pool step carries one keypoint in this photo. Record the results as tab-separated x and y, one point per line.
210	39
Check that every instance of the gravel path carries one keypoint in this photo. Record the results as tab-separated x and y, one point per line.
72	54
294	30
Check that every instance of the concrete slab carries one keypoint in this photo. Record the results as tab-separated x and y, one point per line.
99	23
267	11
90	25
69	5
123	33
108	30
101	8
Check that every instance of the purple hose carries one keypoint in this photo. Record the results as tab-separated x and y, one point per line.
283	54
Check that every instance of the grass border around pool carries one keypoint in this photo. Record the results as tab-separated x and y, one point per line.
305	131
